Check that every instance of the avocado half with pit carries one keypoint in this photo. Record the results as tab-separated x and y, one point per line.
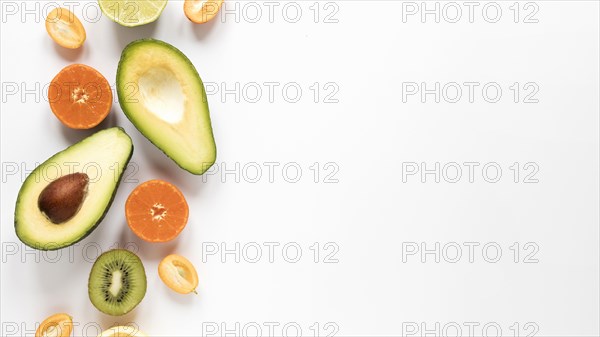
162	94
65	198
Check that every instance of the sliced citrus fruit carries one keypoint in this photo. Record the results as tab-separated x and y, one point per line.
156	211
59	325
178	273
80	97
131	13
201	11
65	28
122	331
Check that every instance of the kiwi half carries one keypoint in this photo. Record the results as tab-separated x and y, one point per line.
117	282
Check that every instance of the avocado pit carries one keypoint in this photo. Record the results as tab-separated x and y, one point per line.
63	197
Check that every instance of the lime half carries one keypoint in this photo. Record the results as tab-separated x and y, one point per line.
131	13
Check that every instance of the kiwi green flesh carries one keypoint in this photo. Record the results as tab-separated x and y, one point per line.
117	282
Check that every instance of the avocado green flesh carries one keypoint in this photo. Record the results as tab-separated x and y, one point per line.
103	157
162	94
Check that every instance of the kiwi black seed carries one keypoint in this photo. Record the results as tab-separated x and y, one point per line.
117	282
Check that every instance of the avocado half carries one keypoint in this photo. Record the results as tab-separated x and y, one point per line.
162	94
103	157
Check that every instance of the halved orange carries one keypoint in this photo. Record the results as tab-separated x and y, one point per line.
201	11
178	273
59	325
156	211
65	28
80	97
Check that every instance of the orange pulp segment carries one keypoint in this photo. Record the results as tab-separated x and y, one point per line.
80	97
156	211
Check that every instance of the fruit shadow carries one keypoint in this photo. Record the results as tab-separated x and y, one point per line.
146	250
126	35
107	321
155	252
203	30
190	184
181	299
53	267
73	135
70	55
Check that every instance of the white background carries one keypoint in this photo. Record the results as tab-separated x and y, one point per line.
370	213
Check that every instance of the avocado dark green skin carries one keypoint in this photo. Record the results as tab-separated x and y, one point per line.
67	244
122	95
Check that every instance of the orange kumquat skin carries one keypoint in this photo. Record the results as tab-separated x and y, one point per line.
65	28
201	11
178	273
59	325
